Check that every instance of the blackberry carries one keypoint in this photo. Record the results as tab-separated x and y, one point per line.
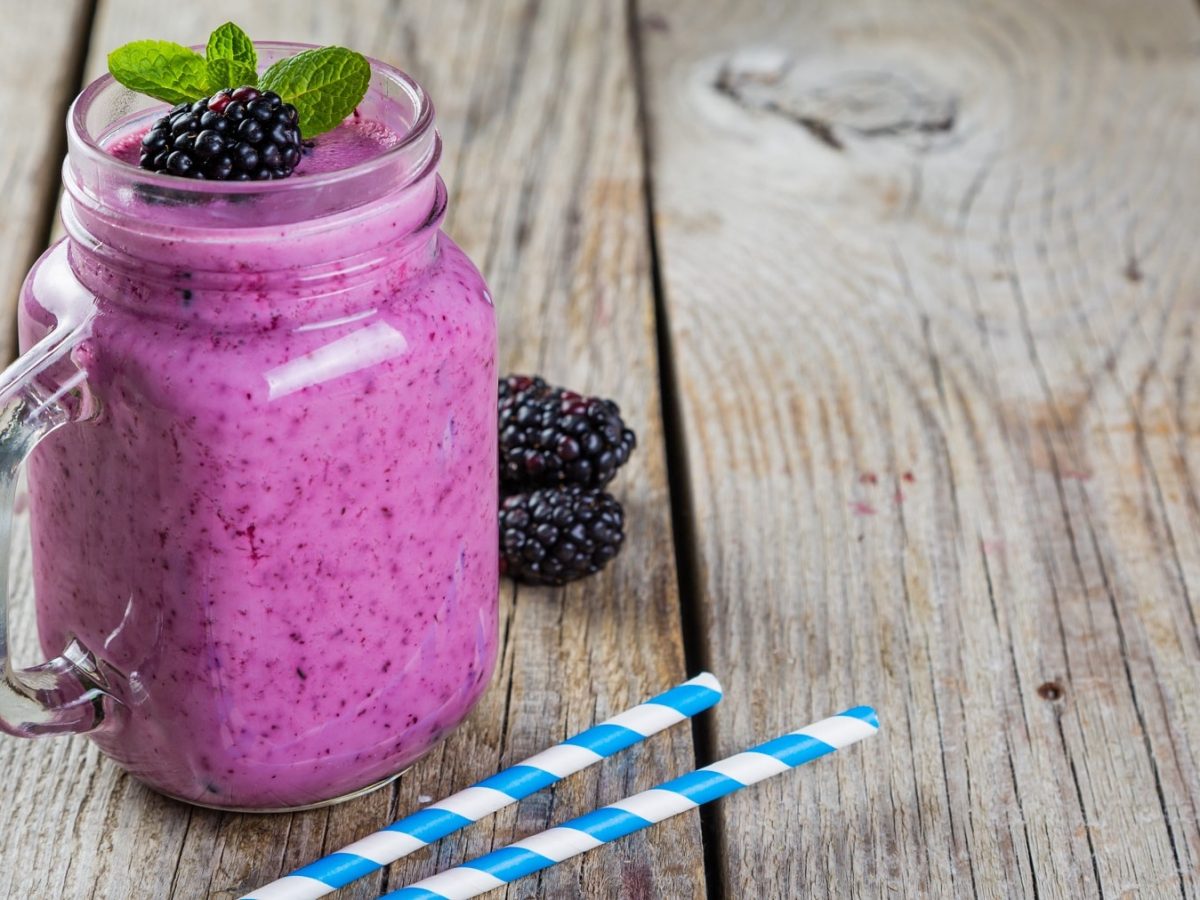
556	535
549	435
520	387
237	134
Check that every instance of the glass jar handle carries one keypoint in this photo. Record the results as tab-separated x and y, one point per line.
64	695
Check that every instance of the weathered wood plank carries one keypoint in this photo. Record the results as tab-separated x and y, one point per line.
932	292
537	108
36	83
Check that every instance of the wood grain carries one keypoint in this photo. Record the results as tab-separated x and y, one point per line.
36	83
537	107
932	291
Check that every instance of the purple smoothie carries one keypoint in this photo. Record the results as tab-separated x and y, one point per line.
279	534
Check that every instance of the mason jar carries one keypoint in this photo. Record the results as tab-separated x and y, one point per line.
263	495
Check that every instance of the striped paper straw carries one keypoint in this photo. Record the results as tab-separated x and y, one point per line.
436	821
642	810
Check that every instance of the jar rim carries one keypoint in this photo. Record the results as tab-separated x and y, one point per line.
85	146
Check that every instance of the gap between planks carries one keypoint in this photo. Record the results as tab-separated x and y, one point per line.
679	481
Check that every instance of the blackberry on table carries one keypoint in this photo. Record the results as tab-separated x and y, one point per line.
521	387
549	435
556	535
237	134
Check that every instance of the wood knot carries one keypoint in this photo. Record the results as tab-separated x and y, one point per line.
842	99
1051	691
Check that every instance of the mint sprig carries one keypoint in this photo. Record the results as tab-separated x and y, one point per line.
325	85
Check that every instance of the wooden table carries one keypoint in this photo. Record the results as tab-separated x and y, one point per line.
901	298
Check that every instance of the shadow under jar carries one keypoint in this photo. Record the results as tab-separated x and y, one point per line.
264	498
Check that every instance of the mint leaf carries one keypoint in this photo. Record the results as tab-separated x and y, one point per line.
230	42
230	73
324	85
232	61
164	70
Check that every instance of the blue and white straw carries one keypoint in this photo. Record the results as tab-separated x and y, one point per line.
643	810
436	821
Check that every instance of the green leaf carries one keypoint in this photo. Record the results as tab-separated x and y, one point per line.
230	73
230	42
164	70
232	61
324	85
